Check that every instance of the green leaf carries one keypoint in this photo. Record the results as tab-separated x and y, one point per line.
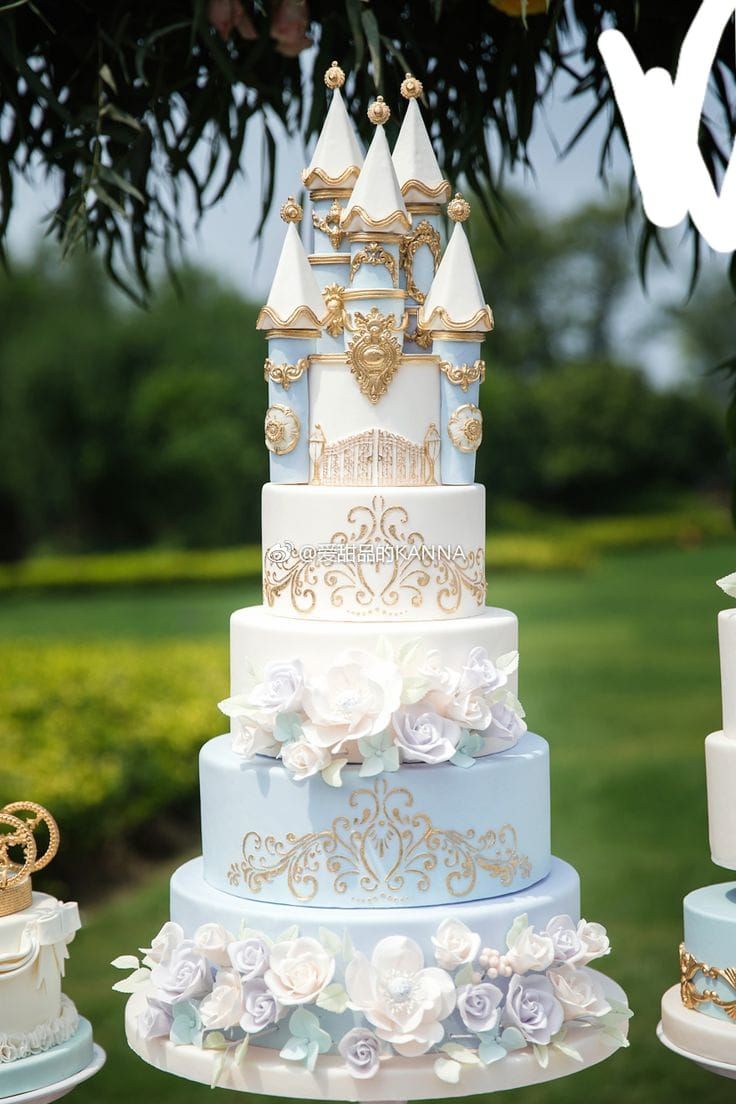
464	976
518	926
295	1050
461	1054
333	999
490	1051
541	1053
330	941
113	177
218	1068
332	774
214	1040
373	35
448	1070
241	1051
371	767
289	934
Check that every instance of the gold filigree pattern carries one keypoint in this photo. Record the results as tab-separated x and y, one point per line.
282	429
334	297
374	354
375	254
329	224
381	584
423	234
464	374
465	427
382	848
284	374
374	458
692	997
18	823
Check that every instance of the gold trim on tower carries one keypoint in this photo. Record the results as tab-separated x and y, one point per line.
422	234
380	848
284	374
334	297
375	254
464	374
330	224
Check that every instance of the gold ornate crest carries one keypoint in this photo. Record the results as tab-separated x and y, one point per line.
424	234
465	427
329	224
375	254
284	374
379	850
282	429
18	822
692	997
464	374
374	354
334	297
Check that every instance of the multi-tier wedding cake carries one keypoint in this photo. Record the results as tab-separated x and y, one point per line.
43	1039
377	913
699	1014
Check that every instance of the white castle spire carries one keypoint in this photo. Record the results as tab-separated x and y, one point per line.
338	156
376	202
416	165
294	301
455	300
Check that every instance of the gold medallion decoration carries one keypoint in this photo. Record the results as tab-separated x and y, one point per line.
335	76
692	997
421	338
18	823
375	254
374	354
291	211
334	297
382	848
379	112
282	429
458	208
284	374
374	458
464	374
465	427
329	224
411	88
424	234
393	567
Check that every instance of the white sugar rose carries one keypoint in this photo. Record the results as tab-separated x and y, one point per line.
249	740
455	944
563	933
425	737
280	692
303	759
162	945
212	941
480	1006
353	700
299	970
223	1007
579	992
506	725
594	940
154	1022
249	957
184	975
532	1007
527	949
405	1001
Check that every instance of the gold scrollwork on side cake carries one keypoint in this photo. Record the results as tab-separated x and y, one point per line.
334	297
382	848
374	458
398	569
464	374
465	427
375	254
374	354
284	374
282	429
424	234
329	224
692	997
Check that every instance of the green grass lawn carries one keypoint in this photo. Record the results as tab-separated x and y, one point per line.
619	672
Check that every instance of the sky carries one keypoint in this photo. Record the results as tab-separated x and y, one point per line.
224	240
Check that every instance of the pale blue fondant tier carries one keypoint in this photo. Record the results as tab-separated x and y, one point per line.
194	902
418	836
37	1071
710	936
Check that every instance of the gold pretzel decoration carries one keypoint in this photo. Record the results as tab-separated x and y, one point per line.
32	816
19	835
691	996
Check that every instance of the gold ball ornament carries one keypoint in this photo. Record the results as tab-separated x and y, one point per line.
335	76
458	208
379	112
411	88
291	211
520	9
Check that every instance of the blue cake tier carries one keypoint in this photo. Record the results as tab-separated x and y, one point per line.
37	1071
417	836
710	937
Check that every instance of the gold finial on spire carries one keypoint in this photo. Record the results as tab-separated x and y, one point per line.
335	76
379	112
458	208
411	88
18	822
291	211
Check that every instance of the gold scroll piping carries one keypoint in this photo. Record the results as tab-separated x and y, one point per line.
375	254
284	374
423	234
692	997
464	374
330	224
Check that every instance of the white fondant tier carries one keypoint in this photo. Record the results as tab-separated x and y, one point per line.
374	554
416	836
699	1036
727	649
264	1071
720	769
194	902
33	946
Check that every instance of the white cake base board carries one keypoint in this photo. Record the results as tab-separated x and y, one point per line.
708	1041
263	1071
53	1092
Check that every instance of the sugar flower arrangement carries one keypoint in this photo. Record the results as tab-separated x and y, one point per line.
381	709
472	1006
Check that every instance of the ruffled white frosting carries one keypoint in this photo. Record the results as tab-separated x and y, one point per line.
52	1033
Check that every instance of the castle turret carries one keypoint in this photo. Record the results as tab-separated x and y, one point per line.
292	318
457	317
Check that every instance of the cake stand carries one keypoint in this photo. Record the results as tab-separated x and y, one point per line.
49	1093
263	1071
682	1029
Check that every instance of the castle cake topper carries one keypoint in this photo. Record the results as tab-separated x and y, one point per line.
19	857
373	364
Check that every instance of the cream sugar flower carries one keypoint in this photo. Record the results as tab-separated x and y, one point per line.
404	1000
279	691
298	971
354	699
455	944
